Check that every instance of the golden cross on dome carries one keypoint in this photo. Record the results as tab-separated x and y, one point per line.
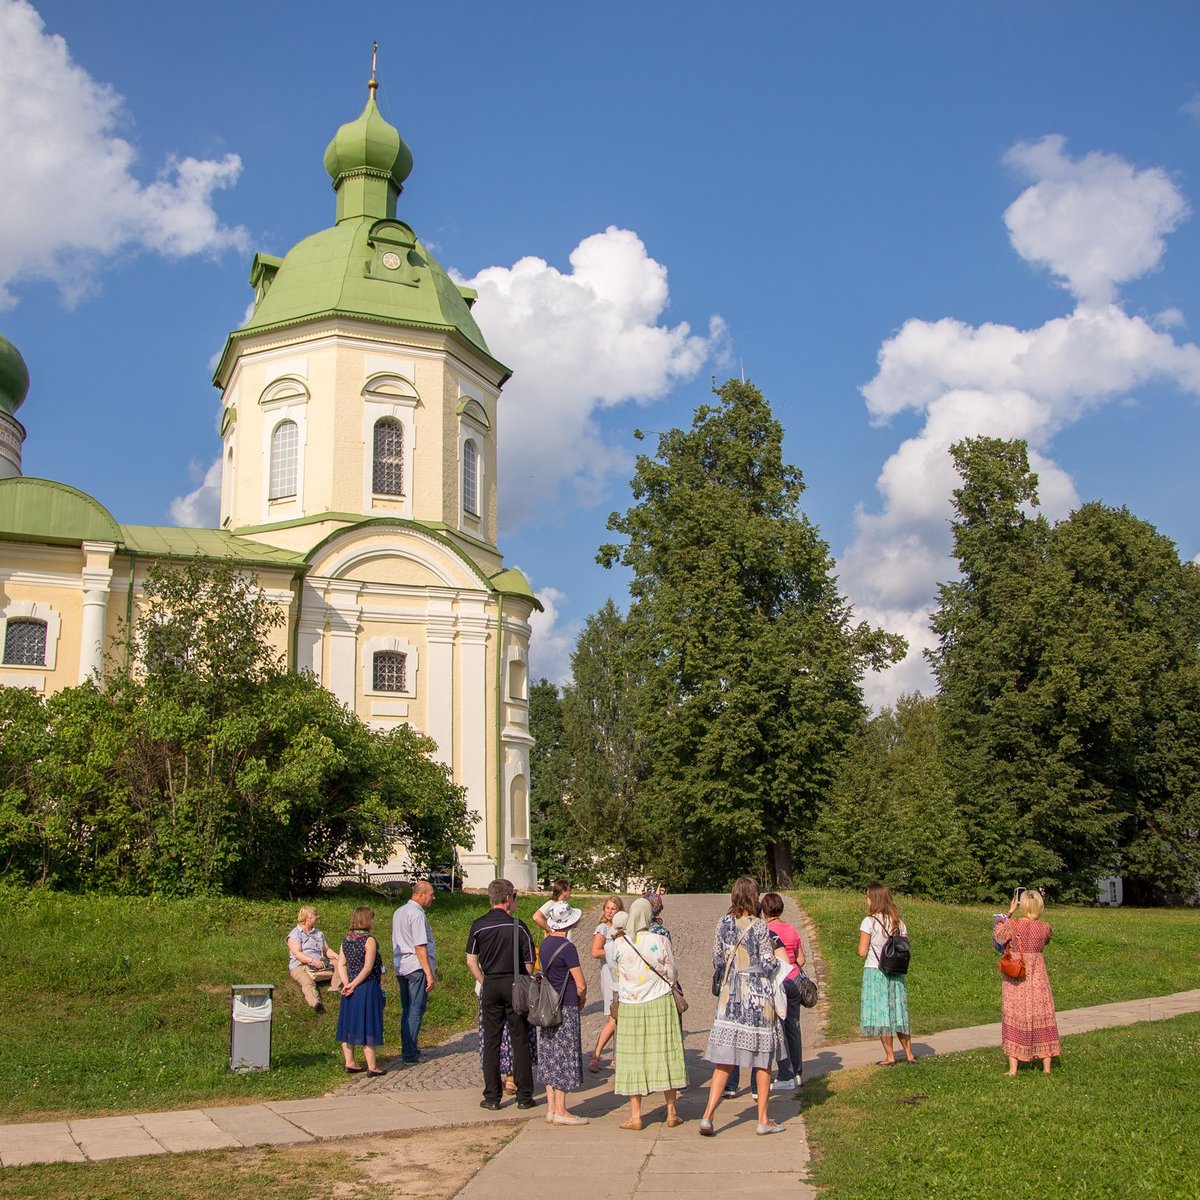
373	83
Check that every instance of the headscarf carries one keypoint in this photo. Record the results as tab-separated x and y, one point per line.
639	918
655	901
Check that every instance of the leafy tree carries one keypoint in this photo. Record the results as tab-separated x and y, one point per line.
752	663
1067	662
892	813
553	847
608	819
214	772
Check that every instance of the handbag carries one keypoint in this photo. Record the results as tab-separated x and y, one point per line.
1011	966
681	1004
895	951
545	1004
808	990
721	974
523	985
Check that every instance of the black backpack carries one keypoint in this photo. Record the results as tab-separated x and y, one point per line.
894	953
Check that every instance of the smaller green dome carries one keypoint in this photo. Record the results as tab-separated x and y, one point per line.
14	377
369	145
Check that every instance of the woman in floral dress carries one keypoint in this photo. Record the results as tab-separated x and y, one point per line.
1028	1024
745	1031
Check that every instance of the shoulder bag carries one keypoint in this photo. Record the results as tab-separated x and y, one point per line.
523	985
681	1004
808	990
721	974
1013	966
545	1004
895	951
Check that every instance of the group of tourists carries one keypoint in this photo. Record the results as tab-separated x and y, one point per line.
757	958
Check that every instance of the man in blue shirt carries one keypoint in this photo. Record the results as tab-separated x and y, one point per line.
415	959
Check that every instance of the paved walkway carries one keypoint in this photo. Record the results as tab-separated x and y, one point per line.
444	1090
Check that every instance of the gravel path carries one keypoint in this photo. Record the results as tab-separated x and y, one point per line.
691	920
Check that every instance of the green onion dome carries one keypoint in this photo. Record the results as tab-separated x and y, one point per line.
14	377
369	146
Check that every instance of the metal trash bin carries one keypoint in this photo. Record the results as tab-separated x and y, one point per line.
250	1026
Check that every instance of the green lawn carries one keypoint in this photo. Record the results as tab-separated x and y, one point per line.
122	1003
1097	955
1117	1120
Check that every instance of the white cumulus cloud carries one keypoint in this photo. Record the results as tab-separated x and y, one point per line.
201	508
1095	222
70	199
579	342
551	642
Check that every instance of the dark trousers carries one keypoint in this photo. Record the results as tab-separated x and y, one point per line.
495	1003
793	1066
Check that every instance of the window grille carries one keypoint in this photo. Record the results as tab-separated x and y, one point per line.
471	478
285	442
25	643
388	671
388	476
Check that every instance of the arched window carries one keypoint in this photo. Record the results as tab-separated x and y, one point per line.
470	481
387	478
388	670
24	643
285	441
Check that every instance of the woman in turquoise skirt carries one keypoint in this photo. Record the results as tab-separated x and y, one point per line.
884	1011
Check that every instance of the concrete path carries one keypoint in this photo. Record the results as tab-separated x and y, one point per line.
657	1161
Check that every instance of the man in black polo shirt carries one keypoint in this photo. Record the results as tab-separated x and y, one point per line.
490	959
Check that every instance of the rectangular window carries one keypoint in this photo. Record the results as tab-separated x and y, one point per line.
471	478
25	643
285	443
388	671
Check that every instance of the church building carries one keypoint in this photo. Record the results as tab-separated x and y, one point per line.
359	417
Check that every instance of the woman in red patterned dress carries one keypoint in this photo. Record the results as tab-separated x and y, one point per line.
1028	1026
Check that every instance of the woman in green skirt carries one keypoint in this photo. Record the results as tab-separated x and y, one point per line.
649	1043
884	1011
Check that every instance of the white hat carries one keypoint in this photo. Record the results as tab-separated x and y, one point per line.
561	915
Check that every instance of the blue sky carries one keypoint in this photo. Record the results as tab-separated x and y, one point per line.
980	214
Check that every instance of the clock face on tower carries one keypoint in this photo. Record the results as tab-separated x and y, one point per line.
391	260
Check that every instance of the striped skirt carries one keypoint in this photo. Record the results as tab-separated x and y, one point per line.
649	1048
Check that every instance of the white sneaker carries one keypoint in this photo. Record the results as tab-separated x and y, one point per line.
783	1085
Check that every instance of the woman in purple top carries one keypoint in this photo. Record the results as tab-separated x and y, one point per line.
559	1050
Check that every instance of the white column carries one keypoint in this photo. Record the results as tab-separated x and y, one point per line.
97	581
439	678
479	866
310	630
344	616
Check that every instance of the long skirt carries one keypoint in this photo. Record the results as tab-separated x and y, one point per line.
649	1048
360	1015
884	1003
559	1055
506	1055
1029	1025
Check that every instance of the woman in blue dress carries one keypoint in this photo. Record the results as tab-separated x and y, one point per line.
360	1015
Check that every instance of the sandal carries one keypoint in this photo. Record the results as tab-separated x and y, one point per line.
594	1064
886	1062
674	1120
631	1124
374	1073
354	1070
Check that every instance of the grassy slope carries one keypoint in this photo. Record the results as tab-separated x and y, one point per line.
1097	955
1113	1121
119	1004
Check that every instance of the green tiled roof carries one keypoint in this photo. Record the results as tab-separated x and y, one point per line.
42	510
168	541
